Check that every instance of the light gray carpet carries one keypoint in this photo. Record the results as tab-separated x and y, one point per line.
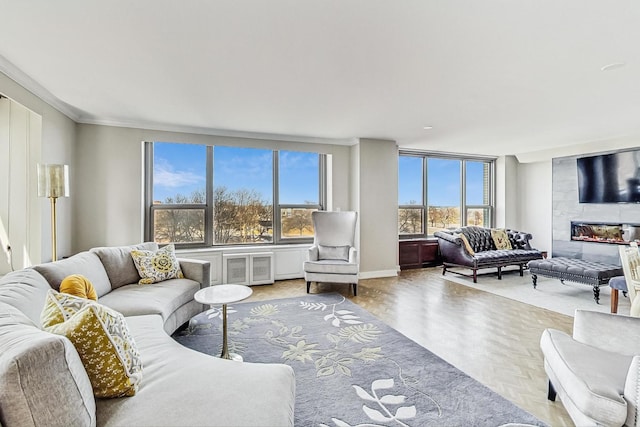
352	369
549	294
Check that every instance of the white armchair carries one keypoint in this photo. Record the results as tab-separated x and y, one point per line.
596	372
333	257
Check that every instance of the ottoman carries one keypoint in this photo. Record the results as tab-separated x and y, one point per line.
590	273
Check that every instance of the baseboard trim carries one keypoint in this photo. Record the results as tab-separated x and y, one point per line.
377	274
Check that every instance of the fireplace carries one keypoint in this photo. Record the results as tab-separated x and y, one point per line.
604	232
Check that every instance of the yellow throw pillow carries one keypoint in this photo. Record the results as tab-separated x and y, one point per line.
500	238
59	307
107	349
157	266
466	243
79	286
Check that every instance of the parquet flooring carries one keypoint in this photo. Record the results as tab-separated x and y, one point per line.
491	338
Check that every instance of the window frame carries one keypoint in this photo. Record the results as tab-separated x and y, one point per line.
150	208
464	207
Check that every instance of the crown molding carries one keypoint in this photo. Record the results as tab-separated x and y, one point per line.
215	132
18	76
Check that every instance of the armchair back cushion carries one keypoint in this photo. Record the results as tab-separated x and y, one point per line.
334	228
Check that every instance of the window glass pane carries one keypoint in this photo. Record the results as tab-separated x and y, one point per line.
410	180
179	173
443	192
298	178
478	183
410	221
178	225
479	217
243	203
296	222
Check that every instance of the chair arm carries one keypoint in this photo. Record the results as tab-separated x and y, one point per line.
632	393
353	255
607	331
452	249
197	270
313	253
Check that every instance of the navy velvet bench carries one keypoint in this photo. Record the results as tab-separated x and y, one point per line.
590	273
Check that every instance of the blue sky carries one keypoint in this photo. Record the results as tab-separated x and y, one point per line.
181	168
443	181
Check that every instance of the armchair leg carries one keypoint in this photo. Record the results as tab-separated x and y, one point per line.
551	394
355	289
308	286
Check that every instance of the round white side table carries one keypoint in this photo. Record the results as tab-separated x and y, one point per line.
224	294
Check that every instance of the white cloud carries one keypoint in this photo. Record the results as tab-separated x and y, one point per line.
165	176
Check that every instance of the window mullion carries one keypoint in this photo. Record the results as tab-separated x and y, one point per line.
209	211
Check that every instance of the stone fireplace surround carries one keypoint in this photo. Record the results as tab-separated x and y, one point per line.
566	209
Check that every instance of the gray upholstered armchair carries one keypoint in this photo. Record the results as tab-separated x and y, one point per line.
333	257
596	372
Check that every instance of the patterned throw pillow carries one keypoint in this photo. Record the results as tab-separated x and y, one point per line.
103	341
59	307
78	285
500	238
157	266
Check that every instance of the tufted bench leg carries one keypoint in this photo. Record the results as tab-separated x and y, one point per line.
499	273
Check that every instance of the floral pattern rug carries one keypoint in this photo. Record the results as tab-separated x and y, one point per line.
351	368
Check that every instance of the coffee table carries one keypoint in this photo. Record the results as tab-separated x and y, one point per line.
224	294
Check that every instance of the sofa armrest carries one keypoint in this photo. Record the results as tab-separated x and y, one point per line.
632	393
353	255
313	253
452	249
606	331
197	270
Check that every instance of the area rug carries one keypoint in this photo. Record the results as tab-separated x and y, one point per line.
351	369
550	294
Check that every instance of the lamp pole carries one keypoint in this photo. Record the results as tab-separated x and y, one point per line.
54	238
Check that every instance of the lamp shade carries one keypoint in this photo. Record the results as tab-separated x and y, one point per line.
53	180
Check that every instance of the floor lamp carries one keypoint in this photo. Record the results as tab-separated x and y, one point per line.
53	182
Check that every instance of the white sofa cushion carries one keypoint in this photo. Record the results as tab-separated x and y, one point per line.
118	263
25	290
592	378
185	388
330	267
161	298
85	263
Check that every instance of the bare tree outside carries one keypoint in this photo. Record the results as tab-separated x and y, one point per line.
240	216
297	222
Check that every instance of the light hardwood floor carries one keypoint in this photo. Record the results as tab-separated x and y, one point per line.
493	339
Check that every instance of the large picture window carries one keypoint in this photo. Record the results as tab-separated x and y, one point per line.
219	195
443	192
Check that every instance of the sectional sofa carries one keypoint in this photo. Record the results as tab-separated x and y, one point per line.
44	383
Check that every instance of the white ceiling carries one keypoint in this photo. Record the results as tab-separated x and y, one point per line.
491	77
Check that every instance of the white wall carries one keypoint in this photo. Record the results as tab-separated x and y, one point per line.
52	143
378	206
535	202
507	192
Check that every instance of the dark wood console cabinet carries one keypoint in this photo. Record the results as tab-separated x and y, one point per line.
418	253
